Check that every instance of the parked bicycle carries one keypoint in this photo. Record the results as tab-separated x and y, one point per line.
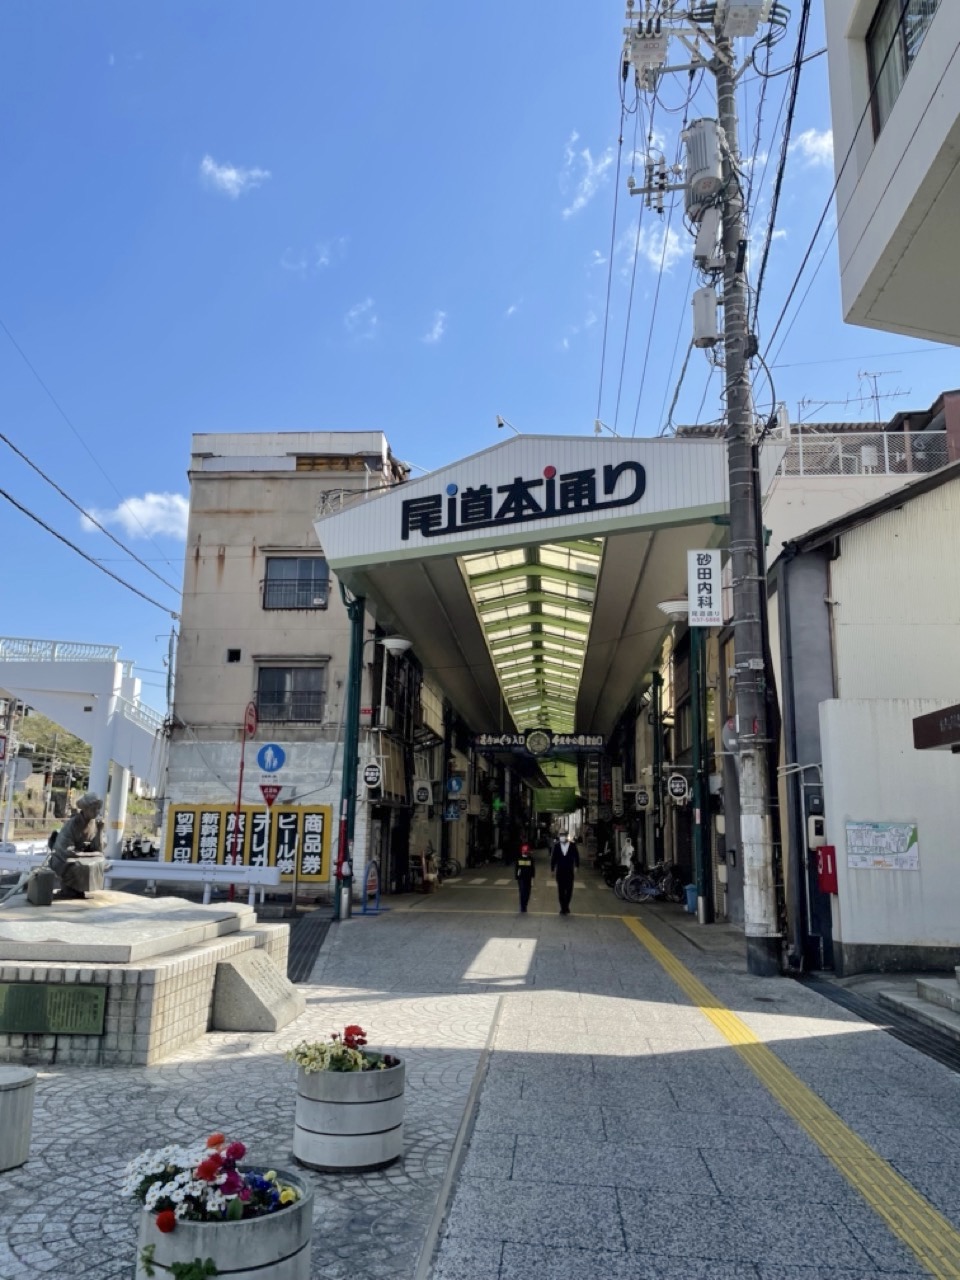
662	881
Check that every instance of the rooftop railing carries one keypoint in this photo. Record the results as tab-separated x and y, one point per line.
15	649
863	453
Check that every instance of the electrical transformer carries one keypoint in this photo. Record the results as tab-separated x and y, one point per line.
706	332
704	172
742	17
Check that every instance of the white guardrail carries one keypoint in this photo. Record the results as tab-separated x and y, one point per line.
17	649
254	878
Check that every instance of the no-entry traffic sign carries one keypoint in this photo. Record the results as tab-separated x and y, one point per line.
250	720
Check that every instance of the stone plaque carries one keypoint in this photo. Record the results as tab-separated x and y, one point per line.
251	994
52	1009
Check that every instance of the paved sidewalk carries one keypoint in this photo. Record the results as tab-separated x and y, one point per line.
618	1133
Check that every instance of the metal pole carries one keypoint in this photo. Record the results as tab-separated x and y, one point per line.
749	594
696	733
656	706
351	746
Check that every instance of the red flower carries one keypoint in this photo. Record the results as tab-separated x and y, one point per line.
216	1140
166	1220
354	1037
235	1151
232	1183
207	1170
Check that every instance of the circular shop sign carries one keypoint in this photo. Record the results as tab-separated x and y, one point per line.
677	786
372	774
422	794
643	798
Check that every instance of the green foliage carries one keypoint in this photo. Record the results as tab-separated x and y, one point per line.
50	740
198	1269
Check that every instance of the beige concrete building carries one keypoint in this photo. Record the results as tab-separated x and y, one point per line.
263	622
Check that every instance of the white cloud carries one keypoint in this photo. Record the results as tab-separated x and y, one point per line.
580	168
304	262
295	262
780	233
815	147
597	259
361	320
513	308
657	244
154	513
230	179
437	330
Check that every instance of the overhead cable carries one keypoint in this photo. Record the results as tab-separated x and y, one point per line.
784	151
90	560
84	512
836	182
64	415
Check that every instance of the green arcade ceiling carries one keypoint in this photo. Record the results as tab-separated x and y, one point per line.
535	605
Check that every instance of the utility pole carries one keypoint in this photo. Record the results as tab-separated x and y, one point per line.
712	184
749	581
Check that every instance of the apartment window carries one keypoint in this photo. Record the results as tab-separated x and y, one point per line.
291	693
893	42
296	582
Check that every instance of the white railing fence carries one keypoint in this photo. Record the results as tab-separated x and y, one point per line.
860	453
16	649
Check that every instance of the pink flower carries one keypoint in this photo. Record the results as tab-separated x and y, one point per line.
235	1151
232	1183
244	1194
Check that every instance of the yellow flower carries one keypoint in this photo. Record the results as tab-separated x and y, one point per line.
271	1175
287	1195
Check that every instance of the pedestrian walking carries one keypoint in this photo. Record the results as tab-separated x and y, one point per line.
564	860
525	874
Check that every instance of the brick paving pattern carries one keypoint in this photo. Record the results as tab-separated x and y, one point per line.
617	1133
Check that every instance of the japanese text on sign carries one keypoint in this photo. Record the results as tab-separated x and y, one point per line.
703	589
291	837
572	493
884	846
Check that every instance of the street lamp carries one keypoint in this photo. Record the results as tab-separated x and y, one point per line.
355	606
502	422
396	647
677	609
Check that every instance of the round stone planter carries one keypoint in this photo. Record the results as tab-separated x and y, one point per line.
277	1245
17	1086
349	1121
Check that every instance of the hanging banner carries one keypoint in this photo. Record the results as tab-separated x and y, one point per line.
703	589
210	833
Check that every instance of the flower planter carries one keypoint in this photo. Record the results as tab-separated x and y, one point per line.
349	1121
276	1245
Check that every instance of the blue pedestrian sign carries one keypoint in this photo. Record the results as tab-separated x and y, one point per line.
271	757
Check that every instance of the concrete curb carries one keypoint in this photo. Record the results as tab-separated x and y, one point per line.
432	1238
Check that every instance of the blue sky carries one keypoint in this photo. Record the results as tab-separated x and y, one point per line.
239	216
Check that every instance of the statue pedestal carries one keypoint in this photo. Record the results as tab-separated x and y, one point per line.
116	979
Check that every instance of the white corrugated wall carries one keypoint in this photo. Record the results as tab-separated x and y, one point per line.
896	602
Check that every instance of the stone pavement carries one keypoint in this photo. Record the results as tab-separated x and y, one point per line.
613	1130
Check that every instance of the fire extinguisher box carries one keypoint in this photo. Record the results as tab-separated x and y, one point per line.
827	868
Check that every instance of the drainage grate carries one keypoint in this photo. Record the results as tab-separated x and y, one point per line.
927	1040
306	939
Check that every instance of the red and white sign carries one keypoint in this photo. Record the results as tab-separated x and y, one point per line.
3	747
270	791
250	720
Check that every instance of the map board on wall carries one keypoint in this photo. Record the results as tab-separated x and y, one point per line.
885	846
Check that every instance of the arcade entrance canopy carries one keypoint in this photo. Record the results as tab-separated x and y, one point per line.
528	575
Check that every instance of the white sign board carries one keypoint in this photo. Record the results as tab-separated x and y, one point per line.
677	787
884	846
703	589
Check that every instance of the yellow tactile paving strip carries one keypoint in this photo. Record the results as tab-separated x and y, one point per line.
927	1233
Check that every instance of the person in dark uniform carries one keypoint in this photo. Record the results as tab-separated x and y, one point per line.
525	873
564	860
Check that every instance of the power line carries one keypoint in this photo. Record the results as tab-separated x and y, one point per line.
86	514
870	355
836	183
90	560
784	152
613	241
64	415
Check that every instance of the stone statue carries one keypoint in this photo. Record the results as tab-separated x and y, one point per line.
77	859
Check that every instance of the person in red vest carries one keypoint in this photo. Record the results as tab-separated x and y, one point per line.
525	874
